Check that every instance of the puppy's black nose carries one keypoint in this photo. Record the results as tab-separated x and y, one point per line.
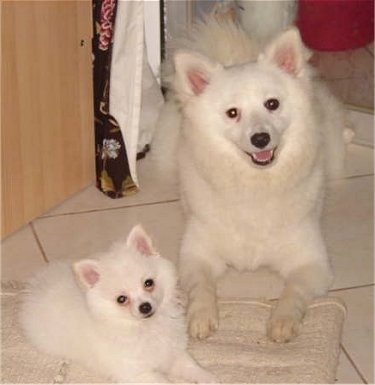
145	308
260	140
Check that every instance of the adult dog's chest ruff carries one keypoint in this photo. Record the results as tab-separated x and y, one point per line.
246	238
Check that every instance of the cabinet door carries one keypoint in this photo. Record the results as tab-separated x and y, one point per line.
47	145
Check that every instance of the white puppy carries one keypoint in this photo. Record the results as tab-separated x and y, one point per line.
257	141
118	314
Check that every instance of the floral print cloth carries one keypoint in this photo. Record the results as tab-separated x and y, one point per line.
112	169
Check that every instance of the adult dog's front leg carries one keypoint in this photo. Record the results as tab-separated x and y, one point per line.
302	285
202	311
199	271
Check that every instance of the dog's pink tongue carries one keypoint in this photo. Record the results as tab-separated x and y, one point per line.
263	156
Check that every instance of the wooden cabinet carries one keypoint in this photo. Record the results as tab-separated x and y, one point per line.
47	128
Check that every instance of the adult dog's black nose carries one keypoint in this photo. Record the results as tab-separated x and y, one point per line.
145	308
261	139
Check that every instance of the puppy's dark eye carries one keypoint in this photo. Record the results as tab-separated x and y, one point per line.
272	104
121	299
149	283
233	113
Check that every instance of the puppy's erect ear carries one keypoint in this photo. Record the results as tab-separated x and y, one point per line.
86	272
193	73
288	52
140	241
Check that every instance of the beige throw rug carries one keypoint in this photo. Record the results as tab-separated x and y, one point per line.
239	352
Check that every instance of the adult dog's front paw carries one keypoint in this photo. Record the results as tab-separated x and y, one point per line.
283	329
203	321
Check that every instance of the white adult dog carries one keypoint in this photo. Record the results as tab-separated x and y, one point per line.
256	143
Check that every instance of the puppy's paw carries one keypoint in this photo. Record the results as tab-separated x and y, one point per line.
283	329
203	322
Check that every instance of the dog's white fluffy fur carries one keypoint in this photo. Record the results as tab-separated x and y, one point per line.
255	142
117	313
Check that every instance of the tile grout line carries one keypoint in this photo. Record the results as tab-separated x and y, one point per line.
363	143
357	176
331	291
39	243
136	205
351	287
362	377
90	211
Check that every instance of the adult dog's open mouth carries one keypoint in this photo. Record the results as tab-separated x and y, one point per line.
262	158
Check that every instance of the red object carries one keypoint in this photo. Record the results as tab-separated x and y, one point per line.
336	25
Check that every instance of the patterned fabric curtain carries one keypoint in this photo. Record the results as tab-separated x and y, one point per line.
113	176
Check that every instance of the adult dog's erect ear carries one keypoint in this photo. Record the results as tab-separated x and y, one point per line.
288	52
193	73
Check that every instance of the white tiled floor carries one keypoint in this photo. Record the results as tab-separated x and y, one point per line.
90	221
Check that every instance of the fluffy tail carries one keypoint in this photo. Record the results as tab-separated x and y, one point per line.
221	40
163	154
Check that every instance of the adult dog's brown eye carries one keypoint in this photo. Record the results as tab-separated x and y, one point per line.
233	113
272	104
